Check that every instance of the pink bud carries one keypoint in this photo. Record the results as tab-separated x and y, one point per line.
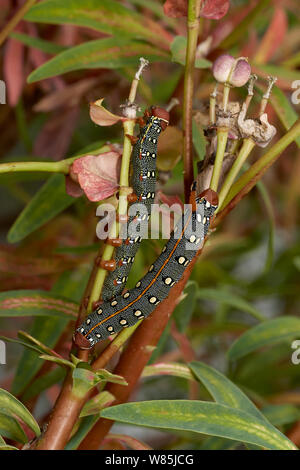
236	72
241	73
222	67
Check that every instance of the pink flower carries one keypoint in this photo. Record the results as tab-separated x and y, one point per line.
98	175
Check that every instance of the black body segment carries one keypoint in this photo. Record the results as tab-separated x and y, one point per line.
143	183
127	309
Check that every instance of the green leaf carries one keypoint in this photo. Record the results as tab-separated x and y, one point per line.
10	428
107	16
109	53
223	390
280	415
184	310
85	379
230	299
169	368
178	50
57	360
49	329
200	417
48	202
23	303
284	109
7	447
267	333
10	405
37	43
97	403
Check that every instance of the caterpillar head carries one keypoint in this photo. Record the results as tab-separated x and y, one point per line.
81	341
210	196
161	114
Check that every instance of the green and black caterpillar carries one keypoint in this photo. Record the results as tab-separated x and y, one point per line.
128	308
143	162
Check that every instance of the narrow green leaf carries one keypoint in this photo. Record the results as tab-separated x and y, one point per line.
48	202
169	368
23	303
108	16
7	447
280	415
223	390
267	333
10	428
97	403
178	50
10	405
37	43
49	329
57	360
230	299
200	417
109	53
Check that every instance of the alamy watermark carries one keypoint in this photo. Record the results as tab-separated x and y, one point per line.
295	98
2	92
140	226
2	352
296	354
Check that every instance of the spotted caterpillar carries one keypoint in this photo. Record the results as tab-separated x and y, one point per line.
143	183
130	307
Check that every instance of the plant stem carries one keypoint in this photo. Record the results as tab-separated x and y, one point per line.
194	8
245	151
222	135
63	166
54	167
15	20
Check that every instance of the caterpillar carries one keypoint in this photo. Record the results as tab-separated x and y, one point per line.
143	182
130	307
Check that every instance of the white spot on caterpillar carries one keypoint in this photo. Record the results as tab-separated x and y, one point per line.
110	328
148	153
88	321
151	268
98	335
192	238
123	322
138	284
99	311
181	260
82	330
168	281
204	220
113	303
153	155
153	300
207	204
199	217
126	295
137	313
164	249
